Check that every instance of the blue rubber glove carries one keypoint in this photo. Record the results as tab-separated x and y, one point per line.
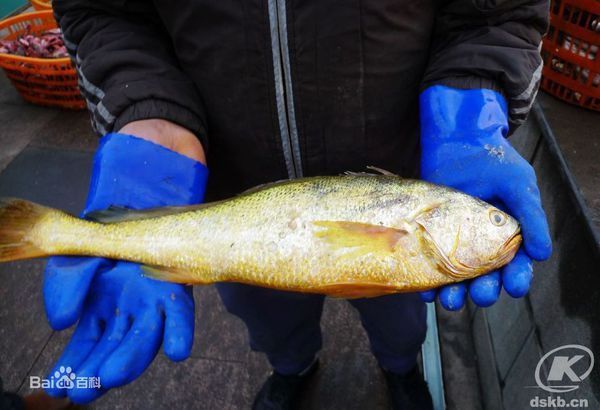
123	316
464	146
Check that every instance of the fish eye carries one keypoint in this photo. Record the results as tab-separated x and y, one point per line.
497	218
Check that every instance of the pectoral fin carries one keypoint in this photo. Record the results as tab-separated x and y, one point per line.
360	238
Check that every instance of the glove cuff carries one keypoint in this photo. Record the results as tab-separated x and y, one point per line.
135	173
451	113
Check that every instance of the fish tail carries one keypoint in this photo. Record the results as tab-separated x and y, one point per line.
18	219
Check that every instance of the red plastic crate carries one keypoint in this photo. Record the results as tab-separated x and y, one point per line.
571	52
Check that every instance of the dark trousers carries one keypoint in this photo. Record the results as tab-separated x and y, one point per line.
286	325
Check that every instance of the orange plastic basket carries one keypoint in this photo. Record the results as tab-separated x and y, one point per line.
41	4
43	81
571	52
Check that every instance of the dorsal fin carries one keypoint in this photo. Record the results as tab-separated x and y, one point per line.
378	171
116	214
381	171
265	186
359	174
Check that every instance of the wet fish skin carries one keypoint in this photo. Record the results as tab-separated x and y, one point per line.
349	236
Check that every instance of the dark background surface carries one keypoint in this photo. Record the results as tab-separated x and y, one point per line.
45	156
561	309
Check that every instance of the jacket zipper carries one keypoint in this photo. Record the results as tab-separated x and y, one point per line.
284	97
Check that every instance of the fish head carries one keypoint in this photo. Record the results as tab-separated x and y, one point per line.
469	237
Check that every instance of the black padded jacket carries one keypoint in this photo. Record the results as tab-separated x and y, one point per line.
287	88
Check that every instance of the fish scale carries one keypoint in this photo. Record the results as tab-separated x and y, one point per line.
355	235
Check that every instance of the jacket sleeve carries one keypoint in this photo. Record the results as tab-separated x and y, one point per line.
126	64
490	44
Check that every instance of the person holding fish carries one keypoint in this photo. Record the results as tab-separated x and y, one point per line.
264	91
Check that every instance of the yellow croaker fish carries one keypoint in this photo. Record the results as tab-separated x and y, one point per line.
357	235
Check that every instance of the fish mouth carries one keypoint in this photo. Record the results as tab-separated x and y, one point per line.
510	247
504	255
459	270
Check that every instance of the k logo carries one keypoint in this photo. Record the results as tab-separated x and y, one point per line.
572	368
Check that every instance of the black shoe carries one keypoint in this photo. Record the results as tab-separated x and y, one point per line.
282	392
408	392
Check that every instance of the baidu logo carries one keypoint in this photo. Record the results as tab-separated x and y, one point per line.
64	378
